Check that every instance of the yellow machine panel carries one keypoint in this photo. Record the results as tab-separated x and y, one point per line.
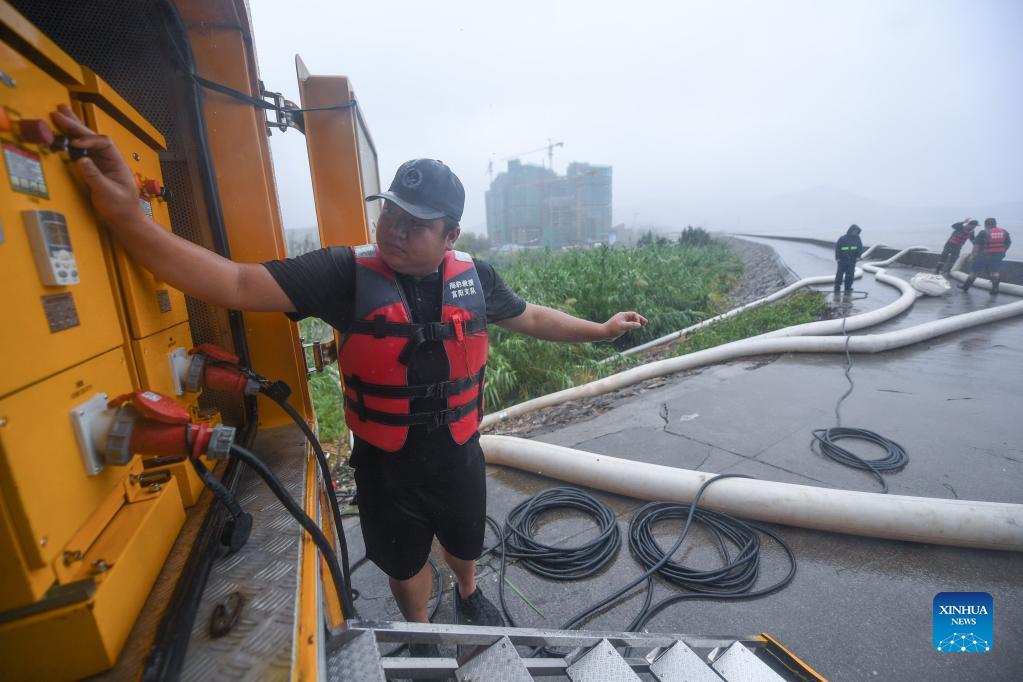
56	287
189	484
151	305
153	361
46	490
88	635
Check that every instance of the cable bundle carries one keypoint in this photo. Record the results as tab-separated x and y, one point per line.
561	563
736	575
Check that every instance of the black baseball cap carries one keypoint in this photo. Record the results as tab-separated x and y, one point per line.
427	189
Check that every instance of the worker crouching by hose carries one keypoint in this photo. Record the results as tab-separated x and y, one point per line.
961	233
847	251
988	253
413	313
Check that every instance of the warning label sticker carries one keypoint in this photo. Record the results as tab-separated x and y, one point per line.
25	171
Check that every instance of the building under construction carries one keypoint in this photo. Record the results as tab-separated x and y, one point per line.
533	206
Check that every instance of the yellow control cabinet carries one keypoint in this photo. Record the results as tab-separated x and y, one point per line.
46	489
58	301
152	306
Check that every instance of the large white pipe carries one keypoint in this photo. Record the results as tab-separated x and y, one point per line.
778	295
961	523
868	343
905	301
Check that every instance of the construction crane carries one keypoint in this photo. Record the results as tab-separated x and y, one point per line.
549	148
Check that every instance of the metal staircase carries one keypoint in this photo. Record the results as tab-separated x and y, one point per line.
504	654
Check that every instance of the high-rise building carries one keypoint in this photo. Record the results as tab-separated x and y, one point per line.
533	206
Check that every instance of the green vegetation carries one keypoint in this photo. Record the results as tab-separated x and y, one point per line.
672	284
804	306
325	386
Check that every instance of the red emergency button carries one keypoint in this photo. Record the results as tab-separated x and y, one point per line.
35	131
152	187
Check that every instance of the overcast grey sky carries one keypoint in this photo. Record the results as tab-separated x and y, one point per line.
912	103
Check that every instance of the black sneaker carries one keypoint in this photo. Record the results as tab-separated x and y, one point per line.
476	609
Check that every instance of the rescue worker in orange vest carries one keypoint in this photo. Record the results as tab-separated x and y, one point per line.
961	233
414	315
989	252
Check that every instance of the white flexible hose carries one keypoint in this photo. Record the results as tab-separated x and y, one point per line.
900	305
780	294
868	343
853	323
961	523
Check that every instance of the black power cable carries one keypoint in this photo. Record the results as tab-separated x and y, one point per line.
278	392
734	580
557	563
277	488
895	457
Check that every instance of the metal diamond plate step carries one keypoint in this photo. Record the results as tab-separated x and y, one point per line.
356	661
682	664
738	664
263	572
497	663
602	663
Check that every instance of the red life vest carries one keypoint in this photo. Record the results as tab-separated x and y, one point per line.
379	346
995	241
960	237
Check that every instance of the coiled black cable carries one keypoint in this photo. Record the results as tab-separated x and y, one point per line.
517	540
277	488
734	580
896	457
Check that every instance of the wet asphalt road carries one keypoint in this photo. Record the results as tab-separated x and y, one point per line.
858	608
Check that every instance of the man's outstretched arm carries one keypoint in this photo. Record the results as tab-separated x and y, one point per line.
549	324
197	271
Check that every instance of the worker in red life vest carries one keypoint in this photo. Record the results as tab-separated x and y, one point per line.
989	251
413	313
961	233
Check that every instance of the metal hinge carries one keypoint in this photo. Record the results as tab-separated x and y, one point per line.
323	353
283	113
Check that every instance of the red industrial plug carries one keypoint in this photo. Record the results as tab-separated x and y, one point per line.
214	368
147	423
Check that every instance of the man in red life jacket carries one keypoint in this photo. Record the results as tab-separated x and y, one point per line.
989	251
414	314
961	233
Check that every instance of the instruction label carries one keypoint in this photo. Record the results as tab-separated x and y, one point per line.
25	171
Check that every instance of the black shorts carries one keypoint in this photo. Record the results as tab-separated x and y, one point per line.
400	518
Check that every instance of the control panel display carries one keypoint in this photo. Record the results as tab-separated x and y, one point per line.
51	247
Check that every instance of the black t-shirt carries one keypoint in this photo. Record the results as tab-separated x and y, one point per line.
322	284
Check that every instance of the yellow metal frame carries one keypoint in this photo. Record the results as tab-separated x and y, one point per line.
332	142
220	36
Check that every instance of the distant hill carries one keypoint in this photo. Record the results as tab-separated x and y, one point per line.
829	208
